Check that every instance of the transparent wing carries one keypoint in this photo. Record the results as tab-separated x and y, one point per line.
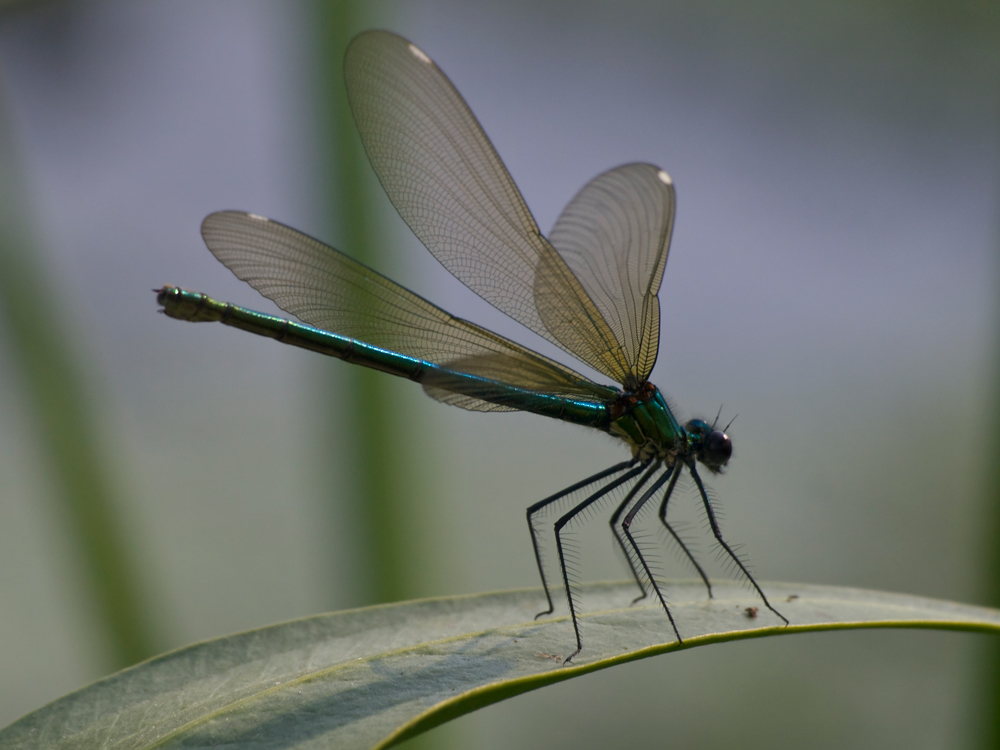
449	185
326	289
615	235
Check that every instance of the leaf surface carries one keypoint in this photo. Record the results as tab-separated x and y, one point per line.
368	678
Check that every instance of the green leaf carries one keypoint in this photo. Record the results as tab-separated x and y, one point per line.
371	677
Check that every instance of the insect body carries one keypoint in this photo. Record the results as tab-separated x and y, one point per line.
590	287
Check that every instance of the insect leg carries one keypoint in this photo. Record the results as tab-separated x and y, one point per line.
533	510
718	536
621	542
565	519
676	536
626	527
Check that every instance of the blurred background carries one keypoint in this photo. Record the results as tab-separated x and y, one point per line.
832	280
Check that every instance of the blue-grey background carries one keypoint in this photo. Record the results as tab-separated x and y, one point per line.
832	279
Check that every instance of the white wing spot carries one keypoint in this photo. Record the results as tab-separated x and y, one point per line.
258	217
664	177
419	54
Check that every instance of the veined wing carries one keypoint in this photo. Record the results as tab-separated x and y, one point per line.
326	289
449	185
615	235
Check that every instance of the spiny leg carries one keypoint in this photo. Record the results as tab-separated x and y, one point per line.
718	536
676	536
626	527
565	519
542	504
621	542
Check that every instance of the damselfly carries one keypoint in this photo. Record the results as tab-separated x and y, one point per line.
589	287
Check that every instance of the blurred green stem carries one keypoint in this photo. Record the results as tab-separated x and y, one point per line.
382	536
990	695
51	380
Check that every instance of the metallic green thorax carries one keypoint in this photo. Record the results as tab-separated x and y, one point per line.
644	421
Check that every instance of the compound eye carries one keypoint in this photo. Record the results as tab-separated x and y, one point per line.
718	449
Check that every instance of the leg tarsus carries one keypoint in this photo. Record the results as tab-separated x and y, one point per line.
717	532
568	658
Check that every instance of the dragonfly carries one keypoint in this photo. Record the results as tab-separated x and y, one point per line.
589	287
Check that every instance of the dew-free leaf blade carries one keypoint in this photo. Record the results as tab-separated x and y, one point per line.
369	678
